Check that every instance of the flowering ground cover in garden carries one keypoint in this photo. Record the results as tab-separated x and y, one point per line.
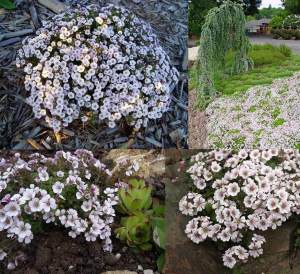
239	211
264	116
70	212
257	108
102	86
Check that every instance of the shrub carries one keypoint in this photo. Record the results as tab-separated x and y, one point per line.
285	50
238	194
269	54
266	57
286	34
276	22
216	41
104	61
67	190
291	22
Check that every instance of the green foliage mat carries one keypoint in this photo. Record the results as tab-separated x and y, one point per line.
269	64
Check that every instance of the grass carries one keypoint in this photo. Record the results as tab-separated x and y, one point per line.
270	62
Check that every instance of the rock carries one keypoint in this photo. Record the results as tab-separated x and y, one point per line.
152	163
148	271
182	255
278	257
112	259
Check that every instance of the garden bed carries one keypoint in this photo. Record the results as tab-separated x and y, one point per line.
77	224
19	129
265	117
54	252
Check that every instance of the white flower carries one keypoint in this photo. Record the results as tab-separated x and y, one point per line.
11	266
35	205
23	230
43	175
233	189
48	203
86	206
58	187
2	255
60	173
229	261
12	209
272	203
215	167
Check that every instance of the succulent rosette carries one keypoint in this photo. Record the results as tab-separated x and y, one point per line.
97	60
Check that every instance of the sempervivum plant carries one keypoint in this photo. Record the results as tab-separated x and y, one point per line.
237	195
104	61
68	190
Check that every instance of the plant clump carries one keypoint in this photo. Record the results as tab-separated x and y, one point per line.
143	223
291	22
236	195
68	190
97	60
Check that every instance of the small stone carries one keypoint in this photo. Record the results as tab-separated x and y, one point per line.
111	259
140	268
119	272
148	271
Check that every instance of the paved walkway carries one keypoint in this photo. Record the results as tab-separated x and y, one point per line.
293	44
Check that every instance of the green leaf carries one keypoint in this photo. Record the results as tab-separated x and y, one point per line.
145	247
159	232
159	211
161	261
7	4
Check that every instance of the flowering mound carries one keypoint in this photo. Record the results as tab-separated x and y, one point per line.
263	117
291	22
239	194
67	190
101	60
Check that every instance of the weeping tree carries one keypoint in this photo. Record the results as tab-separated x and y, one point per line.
223	31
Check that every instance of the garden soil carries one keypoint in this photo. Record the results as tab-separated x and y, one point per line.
54	252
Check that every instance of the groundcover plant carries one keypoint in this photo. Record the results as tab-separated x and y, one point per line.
103	61
263	117
71	190
237	195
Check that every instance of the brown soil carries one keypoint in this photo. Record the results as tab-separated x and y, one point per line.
54	252
197	121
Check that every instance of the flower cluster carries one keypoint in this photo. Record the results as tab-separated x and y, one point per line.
241	193
263	117
291	22
67	190
104	61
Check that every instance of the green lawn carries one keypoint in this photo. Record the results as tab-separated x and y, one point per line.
270	63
